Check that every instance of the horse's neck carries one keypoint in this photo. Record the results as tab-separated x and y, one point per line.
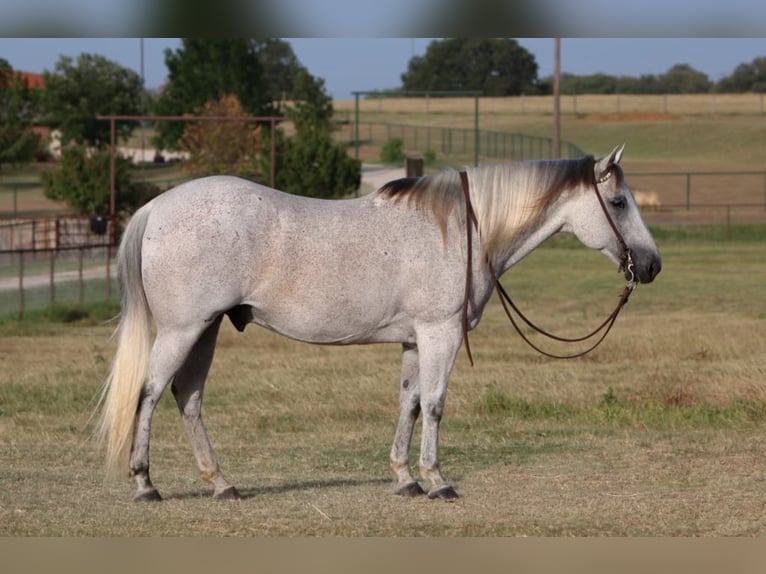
524	243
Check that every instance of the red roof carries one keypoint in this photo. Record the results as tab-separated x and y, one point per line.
32	80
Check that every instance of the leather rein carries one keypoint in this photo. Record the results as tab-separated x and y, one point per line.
601	331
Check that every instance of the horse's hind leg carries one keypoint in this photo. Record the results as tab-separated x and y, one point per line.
188	387
170	350
409	409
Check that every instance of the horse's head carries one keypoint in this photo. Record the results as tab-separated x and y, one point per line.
607	198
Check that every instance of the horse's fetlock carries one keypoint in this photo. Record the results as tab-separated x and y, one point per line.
209	475
141	469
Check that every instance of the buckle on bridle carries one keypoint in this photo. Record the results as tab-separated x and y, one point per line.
627	267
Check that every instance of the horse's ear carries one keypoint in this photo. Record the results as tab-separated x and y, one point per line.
603	164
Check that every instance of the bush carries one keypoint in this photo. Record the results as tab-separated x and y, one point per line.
82	181
392	151
311	164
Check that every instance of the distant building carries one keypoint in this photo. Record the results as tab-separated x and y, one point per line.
31	80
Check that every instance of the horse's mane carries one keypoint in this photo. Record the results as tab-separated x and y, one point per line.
507	198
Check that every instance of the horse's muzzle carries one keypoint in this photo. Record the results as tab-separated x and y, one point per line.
646	266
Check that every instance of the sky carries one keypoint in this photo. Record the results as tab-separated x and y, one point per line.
356	63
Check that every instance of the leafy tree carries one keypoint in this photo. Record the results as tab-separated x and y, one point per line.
496	66
392	151
82	181
745	78
683	79
281	69
310	163
207	69
588	84
75	92
680	78
644	84
259	72
222	147
18	142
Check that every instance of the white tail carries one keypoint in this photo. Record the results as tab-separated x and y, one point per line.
122	388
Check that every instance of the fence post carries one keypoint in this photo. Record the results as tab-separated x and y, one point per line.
52	281
688	191
108	272
413	166
21	285
80	286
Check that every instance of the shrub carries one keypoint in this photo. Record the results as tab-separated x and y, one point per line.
82	181
392	151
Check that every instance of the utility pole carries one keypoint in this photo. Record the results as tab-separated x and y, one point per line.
557	98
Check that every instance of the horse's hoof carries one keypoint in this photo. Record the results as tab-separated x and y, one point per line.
410	490
148	496
446	493
228	493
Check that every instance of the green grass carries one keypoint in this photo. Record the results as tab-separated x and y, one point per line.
614	412
67	294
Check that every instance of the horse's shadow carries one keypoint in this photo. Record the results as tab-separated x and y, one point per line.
292	486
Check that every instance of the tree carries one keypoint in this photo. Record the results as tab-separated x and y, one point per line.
76	92
683	79
222	147
207	69
82	181
310	163
745	78
280	66
589	84
18	142
497	67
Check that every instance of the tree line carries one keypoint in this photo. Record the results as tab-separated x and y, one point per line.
263	77
502	67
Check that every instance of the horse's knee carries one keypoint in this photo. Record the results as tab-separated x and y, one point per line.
433	410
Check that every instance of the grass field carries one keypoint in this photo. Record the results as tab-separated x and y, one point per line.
702	132
658	432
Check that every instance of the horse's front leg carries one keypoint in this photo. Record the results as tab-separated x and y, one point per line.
438	348
409	409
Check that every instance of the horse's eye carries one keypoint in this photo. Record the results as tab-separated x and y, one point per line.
619	202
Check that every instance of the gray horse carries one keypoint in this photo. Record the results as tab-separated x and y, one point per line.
389	267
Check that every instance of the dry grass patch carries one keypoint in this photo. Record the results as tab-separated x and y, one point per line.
659	432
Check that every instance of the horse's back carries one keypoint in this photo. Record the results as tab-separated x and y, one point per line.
315	270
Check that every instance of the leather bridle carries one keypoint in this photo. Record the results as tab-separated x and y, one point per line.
604	328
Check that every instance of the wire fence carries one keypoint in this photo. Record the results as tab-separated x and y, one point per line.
59	260
457	145
31	280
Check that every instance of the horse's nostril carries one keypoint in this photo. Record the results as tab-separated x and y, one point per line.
654	269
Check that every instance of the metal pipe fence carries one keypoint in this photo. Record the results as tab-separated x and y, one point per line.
37	279
459	144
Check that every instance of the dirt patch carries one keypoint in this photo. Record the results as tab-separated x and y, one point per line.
631	117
